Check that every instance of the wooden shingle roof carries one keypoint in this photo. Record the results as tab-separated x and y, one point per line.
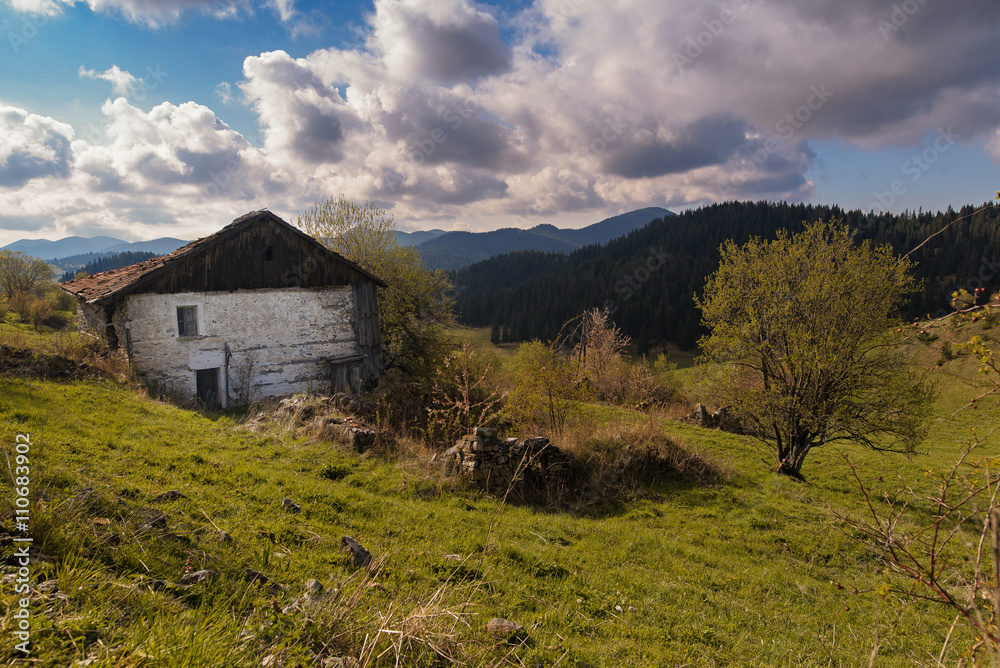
111	285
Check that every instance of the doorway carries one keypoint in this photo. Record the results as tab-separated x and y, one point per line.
207	387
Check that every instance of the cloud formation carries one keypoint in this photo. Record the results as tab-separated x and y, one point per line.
32	147
150	13
122	82
449	112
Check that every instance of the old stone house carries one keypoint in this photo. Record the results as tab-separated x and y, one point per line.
258	309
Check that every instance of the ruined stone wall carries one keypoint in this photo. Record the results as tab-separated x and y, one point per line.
285	333
495	464
90	319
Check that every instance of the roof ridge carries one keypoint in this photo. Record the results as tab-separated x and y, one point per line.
107	284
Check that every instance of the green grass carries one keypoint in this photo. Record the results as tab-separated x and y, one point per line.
480	336
744	572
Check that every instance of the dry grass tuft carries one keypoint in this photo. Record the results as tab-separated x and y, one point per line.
622	456
61	355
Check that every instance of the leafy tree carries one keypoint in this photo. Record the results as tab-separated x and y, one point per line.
416	308
804	326
20	272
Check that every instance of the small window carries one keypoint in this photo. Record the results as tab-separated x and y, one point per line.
187	321
269	254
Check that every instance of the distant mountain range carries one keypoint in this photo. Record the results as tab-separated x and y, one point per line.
416	238
93	246
438	248
454	250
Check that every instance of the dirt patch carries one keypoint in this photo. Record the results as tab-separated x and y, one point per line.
34	364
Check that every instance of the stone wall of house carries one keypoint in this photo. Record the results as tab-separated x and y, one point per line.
280	336
91	320
496	464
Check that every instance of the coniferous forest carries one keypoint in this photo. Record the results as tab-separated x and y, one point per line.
648	278
106	262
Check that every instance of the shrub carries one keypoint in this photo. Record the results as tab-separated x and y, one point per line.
467	394
545	384
20	303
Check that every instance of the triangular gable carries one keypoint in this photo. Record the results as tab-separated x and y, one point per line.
230	259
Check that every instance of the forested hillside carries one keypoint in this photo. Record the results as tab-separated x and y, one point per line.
103	262
453	250
648	278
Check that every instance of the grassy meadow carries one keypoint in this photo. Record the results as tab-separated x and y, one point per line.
750	569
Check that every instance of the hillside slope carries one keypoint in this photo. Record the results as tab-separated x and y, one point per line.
130	494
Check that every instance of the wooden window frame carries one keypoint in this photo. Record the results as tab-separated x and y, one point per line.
184	324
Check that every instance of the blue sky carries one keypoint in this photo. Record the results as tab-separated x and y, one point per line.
148	118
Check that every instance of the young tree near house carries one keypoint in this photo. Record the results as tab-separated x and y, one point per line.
466	395
416	308
804	326
545	385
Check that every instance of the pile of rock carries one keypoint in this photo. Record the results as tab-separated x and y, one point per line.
722	419
494	464
322	417
347	430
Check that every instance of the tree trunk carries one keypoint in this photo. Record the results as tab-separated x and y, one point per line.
791	463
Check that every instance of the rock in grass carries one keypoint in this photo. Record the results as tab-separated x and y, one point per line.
207	575
149	518
225	538
290	506
339	662
504	628
314	586
47	587
250	575
362	557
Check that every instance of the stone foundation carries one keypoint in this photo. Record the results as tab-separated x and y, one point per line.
495	465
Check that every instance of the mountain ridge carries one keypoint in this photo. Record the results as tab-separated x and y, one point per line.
59	249
457	249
